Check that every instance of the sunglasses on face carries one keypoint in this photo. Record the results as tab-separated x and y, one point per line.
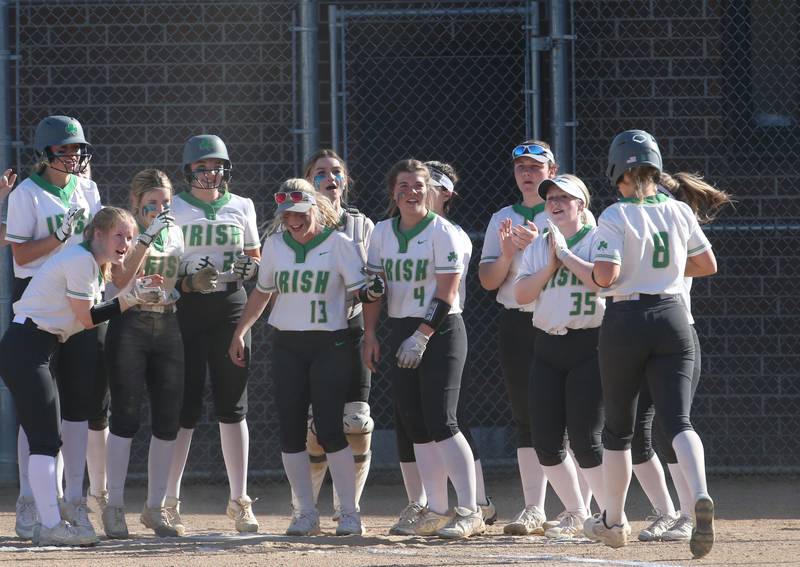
534	149
293	196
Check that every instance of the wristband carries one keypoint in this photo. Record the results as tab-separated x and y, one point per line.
105	311
437	311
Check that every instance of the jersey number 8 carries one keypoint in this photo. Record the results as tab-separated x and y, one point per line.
660	250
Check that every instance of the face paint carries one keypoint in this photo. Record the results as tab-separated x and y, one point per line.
340	180
147	209
401	195
318	179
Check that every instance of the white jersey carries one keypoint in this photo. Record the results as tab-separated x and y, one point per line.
71	273
465	250
36	209
358	227
163	257
565	302
412	259
492	251
650	241
686	298
219	230
311	281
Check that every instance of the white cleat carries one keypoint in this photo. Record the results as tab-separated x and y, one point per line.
702	539
595	528
681	530
27	517
349	524
63	534
528	521
570	525
241	510
660	523
463	524
409	517
304	523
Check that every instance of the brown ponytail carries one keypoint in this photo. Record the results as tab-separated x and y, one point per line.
704	199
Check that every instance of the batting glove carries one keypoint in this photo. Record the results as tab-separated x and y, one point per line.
373	290
143	292
245	267
68	223
203	280
409	355
162	221
558	240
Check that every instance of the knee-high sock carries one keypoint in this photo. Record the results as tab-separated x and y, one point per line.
298	472
480	485
118	453
534	481
60	475
42	477
564	480
235	441
689	450
617	470
460	465
684	494
413	483
96	460
343	474
75	436
583	484
594	478
23	456
159	459
180	453
433	475
650	475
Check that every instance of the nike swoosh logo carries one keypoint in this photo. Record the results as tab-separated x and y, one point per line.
321	253
421	241
338	343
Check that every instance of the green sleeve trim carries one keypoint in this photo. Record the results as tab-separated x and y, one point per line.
354	286
265	289
695	251
209	209
404	237
17	237
448	269
488	259
79	294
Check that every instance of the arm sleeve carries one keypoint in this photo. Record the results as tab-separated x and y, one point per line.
491	242
610	239
266	270
374	259
348	262
251	239
21	223
81	276
446	257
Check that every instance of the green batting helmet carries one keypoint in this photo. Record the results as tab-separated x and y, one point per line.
205	146
632	148
58	131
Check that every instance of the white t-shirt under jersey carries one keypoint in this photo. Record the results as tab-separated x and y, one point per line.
564	302
410	260
36	209
70	273
650	241
492	250
311	281
219	230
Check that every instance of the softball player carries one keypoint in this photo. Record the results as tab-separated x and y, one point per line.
219	231
47	212
646	244
310	267
564	387
59	302
441	197
510	231
417	252
327	171
7	181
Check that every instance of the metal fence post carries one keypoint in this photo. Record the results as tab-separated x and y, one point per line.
8	419
559	91
309	77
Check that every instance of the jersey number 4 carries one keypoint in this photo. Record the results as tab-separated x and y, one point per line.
660	250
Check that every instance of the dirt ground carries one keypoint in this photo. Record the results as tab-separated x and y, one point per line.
758	524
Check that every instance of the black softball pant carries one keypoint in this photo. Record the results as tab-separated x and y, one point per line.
565	394
145	350
25	356
642	443
427	397
361	377
311	367
76	366
100	396
516	341
647	341
207	322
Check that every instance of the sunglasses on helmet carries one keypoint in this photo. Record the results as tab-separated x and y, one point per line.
293	196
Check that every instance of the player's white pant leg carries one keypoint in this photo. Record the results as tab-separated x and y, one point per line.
358	427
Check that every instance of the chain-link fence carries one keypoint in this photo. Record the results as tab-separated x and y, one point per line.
462	82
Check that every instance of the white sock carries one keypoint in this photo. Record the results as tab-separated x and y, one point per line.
460	465
594	478
42	477
583	485
96	460
564	479
60	475
343	475
159	459
617	470
433	475
689	450
534	481
684	494
118	453
180	452
298	472
235	440
74	436
480	485
650	475
23	455
411	480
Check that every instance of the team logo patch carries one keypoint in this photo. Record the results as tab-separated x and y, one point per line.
206	145
452	256
631	159
603	245
71	129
